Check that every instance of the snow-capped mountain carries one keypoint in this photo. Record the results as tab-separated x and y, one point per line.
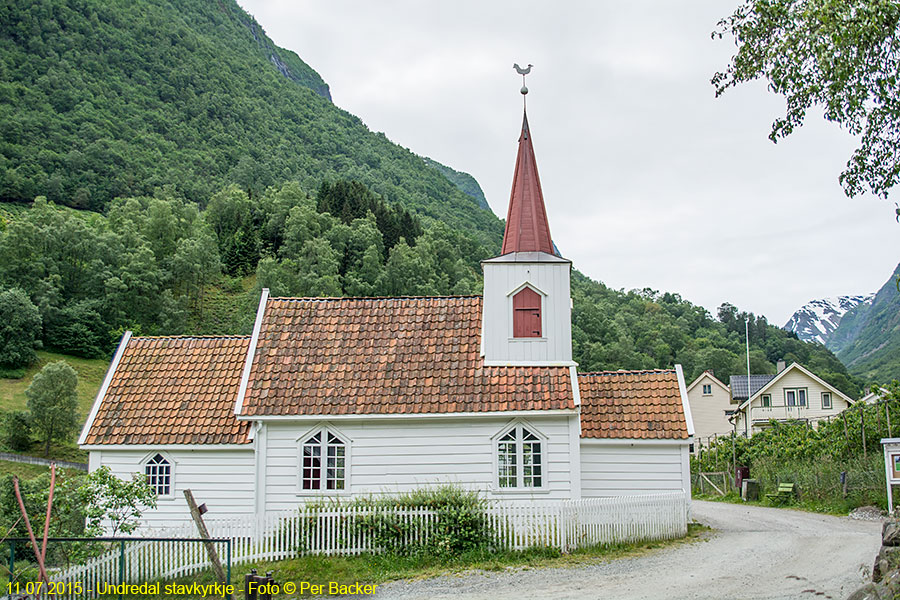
816	320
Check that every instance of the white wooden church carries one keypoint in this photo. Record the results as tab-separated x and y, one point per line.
339	397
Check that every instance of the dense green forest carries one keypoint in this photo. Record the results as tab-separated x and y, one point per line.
107	99
162	265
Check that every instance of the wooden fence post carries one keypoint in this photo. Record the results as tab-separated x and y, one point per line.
204	534
887	417
862	422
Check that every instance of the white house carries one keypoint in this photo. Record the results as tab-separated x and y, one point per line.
338	397
794	393
874	395
711	408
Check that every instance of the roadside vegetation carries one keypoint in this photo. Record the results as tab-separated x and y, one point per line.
835	467
83	505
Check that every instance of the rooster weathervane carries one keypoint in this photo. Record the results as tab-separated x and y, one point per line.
523	73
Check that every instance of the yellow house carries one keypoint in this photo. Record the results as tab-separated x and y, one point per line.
711	407
794	393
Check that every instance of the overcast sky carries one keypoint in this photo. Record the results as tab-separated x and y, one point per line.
649	180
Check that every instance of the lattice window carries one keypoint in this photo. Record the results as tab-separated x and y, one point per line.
323	462
159	475
520	459
334	463
531	460
506	460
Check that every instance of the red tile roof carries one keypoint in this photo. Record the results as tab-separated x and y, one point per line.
174	390
344	356
632	405
527	228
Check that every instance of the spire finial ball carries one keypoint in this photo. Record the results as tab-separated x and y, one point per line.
524	90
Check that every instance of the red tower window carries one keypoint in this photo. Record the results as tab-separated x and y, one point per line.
527	313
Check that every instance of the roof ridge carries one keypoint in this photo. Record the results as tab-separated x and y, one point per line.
339	298
626	372
191	337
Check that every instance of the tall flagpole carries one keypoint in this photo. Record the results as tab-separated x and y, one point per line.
749	406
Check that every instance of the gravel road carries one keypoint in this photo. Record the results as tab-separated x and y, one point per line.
754	553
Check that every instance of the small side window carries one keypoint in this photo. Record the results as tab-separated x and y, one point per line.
766	401
159	475
826	400
707	389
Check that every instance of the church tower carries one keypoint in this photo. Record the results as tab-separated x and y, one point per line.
527	316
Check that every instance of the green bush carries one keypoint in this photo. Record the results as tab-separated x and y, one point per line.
460	522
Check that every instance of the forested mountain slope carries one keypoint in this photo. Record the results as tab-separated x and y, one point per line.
220	166
868	337
108	98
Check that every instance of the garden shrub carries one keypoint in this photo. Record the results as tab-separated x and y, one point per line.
460	521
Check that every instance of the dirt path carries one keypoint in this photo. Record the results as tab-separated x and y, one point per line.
756	553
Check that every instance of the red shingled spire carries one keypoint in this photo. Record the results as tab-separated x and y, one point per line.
527	228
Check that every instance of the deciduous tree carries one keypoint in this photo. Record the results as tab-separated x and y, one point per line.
842	57
53	403
20	329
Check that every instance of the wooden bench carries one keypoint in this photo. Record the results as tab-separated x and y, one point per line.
785	492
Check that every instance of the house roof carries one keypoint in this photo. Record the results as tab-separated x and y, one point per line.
314	357
708	375
632	405
171	390
527	228
796	367
738	385
359	356
874	395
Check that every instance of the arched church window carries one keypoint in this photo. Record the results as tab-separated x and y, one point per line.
520	459
158	470
323	462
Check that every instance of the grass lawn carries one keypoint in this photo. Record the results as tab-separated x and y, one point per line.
25	471
839	508
379	569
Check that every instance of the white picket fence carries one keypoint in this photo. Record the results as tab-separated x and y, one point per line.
347	530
